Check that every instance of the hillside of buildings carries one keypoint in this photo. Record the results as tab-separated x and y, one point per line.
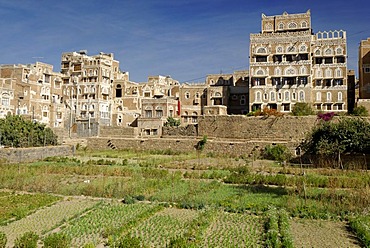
288	64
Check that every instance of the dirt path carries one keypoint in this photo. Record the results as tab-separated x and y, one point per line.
321	234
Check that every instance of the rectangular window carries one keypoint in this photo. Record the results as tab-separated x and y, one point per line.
148	114
159	112
341	60
278	58
367	69
328	61
261	58
302	57
338	82
5	102
290	58
318	61
286	107
258	81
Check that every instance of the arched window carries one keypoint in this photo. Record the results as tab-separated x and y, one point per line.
304	24
260	72
286	96
118	90
328	96
258	96
261	50
318	52
339	51
328	73
291	49
281	26
338	72
292	25
319	73
303	48
303	70
301	96
340	96
279	49
187	95
277	71
290	71
268	26
318	96
272	96
328	51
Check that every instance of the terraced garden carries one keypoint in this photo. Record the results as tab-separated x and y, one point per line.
118	198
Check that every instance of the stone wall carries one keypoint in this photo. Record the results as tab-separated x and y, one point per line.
187	131
106	131
237	148
285	128
20	155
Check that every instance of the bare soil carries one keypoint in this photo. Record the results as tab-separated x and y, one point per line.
321	234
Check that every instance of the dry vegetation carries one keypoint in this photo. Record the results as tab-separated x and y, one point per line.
168	199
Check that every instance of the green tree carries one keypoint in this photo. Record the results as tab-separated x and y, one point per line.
302	109
17	132
360	111
172	122
331	139
277	152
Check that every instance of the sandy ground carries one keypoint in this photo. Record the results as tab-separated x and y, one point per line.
321	234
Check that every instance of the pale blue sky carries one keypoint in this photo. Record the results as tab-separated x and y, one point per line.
185	39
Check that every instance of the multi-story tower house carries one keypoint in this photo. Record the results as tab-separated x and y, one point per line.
364	74
227	90
37	93
158	101
192	99
289	64
329	71
87	86
364	69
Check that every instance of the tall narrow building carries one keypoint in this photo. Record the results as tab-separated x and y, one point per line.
88	89
290	64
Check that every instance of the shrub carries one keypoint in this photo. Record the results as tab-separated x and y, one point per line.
360	111
277	152
172	122
27	240
302	109
128	200
128	241
3	240
57	240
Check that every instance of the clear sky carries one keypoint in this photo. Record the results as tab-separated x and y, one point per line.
186	39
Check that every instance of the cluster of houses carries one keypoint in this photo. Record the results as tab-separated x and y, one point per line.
288	64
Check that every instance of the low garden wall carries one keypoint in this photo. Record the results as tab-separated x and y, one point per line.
20	155
235	148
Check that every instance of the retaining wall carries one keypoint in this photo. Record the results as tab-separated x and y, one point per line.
284	128
236	148
20	155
